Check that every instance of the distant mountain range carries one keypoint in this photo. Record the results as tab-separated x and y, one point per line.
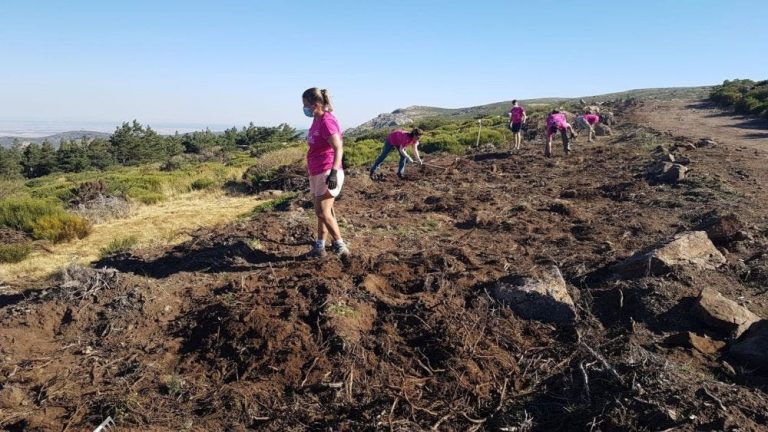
8	141
404	116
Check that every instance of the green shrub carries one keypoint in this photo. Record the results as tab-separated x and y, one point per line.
21	214
486	136
362	153
145	197
60	227
119	245
441	143
14	252
743	96
202	183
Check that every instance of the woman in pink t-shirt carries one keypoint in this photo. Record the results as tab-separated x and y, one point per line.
558	122
588	121
326	174
399	140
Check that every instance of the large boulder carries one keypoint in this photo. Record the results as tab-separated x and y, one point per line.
752	349
722	313
544	298
691	249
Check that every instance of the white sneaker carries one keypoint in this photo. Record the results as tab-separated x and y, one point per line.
340	249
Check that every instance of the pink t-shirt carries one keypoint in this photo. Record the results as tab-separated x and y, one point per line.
557	120
592	118
400	139
320	155
517	113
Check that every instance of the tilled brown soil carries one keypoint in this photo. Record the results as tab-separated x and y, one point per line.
237	330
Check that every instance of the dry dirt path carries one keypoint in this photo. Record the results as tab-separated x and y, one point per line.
691	118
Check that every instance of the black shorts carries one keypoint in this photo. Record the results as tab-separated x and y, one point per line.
515	127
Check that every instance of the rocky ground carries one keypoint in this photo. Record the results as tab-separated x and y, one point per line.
623	287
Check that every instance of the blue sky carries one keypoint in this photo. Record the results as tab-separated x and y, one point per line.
231	62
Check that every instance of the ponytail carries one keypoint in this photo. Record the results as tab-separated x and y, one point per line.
326	100
314	95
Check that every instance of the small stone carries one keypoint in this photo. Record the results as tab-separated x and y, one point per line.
666	172
702	344
12	397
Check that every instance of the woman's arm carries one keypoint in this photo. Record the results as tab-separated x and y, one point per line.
404	154
338	150
416	151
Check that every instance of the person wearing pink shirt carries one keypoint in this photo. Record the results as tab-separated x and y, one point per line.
399	140
558	122
588	121
516	119
326	174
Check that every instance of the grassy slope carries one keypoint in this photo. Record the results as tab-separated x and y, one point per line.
499	108
156	225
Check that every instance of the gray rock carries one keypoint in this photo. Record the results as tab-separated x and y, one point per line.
603	130
692	249
724	314
666	172
752	349
544	298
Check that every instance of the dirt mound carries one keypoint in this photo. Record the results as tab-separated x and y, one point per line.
291	177
11	236
237	329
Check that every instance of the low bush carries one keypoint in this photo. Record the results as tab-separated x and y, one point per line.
119	245
14	252
202	184
279	203
60	227
742	96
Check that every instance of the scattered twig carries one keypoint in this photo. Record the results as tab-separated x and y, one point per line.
586	380
715	398
603	361
392	411
306	377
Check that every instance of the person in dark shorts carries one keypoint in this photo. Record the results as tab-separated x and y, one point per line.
516	119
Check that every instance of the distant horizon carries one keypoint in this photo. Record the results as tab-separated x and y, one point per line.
40	128
33	129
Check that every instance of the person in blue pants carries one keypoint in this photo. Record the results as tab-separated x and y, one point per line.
399	140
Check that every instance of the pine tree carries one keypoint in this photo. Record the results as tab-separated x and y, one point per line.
10	163
71	156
